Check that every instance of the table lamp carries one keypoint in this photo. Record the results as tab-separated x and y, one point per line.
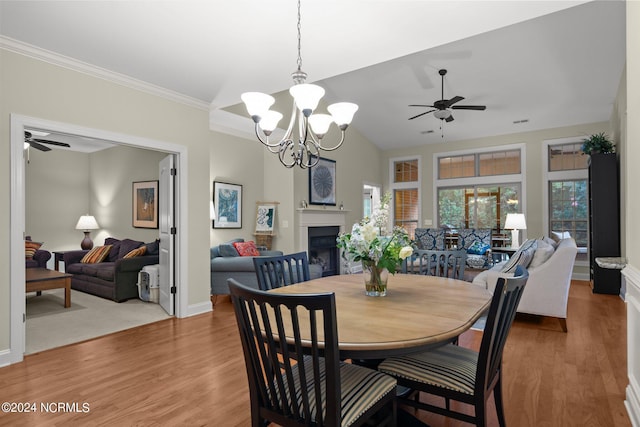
515	222
87	223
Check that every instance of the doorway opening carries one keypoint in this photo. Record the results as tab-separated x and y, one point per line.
18	195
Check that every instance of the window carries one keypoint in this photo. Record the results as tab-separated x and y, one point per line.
493	163
566	199
405	209
568	209
405	187
477	206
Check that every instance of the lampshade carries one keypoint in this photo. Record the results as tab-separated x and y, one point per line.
257	103
306	96
87	222
515	221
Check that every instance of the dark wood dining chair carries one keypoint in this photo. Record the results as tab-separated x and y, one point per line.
458	373
277	271
436	263
315	388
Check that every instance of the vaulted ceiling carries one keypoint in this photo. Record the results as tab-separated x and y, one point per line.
534	64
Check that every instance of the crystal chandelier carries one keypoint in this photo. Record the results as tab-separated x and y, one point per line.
304	148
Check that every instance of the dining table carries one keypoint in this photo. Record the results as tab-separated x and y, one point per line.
418	313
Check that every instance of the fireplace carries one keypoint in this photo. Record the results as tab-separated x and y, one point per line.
310	220
323	250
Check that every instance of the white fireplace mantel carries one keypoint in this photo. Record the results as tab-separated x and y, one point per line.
314	217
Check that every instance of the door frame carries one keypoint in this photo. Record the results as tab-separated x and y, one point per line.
17	216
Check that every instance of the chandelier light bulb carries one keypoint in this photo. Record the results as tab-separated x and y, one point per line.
257	104
269	121
342	113
320	124
307	97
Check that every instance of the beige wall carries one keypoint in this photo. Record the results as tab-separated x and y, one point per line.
62	185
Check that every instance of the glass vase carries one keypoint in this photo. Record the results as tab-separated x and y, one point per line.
375	279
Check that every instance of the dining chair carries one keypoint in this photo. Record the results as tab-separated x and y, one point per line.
277	271
437	263
314	388
461	374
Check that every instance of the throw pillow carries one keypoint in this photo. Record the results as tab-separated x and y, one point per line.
115	248
30	248
559	235
542	254
523	256
136	252
127	245
153	248
246	248
227	249
96	255
478	248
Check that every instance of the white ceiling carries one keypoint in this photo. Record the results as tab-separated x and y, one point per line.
553	63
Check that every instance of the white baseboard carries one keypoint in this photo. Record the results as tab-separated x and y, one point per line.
632	298
199	308
7	357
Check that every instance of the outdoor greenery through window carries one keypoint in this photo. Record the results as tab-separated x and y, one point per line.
569	210
477	206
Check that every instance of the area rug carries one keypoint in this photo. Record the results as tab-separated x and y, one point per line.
50	325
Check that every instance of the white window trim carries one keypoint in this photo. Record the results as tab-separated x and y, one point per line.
519	178
547	176
405	185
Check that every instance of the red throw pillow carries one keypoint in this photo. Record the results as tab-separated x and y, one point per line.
246	248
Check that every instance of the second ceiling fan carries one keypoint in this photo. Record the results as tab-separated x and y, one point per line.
441	108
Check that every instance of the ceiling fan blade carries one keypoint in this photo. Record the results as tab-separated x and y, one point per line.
470	107
59	144
38	146
449	119
453	101
421	114
420	105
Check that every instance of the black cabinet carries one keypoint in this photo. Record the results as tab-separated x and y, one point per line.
604	221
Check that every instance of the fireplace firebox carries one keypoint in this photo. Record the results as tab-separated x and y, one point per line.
323	249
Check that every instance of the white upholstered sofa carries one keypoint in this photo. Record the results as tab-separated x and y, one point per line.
547	289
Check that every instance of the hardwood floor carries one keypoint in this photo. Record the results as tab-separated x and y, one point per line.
190	372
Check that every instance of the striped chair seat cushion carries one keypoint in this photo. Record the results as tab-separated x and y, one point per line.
451	367
361	388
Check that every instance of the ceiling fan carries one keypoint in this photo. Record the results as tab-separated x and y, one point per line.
441	108
37	143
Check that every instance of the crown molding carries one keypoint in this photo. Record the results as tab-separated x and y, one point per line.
53	58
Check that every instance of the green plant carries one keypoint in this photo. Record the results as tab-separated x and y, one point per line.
598	143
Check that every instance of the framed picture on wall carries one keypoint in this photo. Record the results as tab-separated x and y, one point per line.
145	204
227	202
265	217
322	183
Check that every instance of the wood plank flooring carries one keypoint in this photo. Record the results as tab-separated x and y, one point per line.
190	372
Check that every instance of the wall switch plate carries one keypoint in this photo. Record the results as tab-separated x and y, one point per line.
428	222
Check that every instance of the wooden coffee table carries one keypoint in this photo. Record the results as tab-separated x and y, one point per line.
41	279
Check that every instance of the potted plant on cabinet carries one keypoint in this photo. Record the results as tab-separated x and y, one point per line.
598	143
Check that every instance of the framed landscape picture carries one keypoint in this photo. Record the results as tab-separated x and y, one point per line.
145	204
322	183
227	199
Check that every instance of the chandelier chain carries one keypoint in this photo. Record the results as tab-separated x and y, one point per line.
299	40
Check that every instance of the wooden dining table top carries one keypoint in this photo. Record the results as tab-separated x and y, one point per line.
419	312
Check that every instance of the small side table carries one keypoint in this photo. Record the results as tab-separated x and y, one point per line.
503	251
57	257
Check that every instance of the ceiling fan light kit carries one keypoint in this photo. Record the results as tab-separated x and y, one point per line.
304	149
